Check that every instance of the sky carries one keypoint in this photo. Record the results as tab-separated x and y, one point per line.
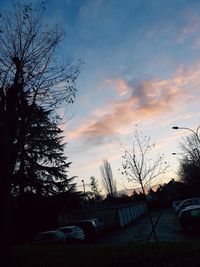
142	67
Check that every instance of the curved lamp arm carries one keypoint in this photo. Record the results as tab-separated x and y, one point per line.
186	128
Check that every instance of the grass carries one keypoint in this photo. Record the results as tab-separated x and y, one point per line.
173	254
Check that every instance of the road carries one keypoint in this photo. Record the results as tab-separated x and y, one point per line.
168	229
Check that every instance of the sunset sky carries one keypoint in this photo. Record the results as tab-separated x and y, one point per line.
142	67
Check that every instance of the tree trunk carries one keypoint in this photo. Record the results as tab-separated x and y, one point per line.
8	124
149	214
5	203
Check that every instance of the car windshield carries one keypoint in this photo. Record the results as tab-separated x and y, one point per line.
45	235
195	213
66	230
59	234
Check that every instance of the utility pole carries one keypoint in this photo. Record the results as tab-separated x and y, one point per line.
83	186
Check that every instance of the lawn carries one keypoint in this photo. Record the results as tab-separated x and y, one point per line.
172	254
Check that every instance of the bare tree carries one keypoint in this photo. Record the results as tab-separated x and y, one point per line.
140	168
189	168
107	179
30	74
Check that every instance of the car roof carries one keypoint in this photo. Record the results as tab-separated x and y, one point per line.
48	232
192	207
85	220
188	199
68	227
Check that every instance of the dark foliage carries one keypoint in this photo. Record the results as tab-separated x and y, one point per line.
166	193
30	77
41	165
32	213
189	168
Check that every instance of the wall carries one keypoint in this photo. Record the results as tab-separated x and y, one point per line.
127	215
118	215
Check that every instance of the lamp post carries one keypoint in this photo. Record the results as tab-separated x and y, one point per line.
196	133
83	186
178	154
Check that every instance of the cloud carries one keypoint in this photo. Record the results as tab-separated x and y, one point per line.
184	28
147	99
190	29
120	84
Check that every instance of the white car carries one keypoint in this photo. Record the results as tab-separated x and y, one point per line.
72	233
49	237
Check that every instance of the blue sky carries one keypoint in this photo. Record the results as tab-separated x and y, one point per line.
142	66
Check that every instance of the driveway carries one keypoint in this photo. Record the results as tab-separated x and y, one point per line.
168	229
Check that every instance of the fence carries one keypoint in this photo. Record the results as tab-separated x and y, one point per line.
116	215
127	215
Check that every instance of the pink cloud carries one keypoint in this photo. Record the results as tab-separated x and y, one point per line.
145	100
120	84
191	27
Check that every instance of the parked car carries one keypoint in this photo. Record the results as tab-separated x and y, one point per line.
99	223
190	217
49	237
187	202
176	204
73	233
89	227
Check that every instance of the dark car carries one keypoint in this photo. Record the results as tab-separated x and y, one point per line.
49	237
186	203
99	223
72	233
89	227
190	217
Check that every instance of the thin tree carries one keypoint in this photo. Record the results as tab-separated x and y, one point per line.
94	186
141	169
107	179
29	74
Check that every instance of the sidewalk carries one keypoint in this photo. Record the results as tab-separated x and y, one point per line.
168	229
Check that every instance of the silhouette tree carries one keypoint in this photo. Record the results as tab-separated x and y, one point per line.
29	75
41	164
95	188
140	168
189	167
107	179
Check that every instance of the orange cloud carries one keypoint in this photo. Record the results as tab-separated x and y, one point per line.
120	84
145	100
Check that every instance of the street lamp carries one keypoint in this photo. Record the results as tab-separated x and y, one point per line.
178	154
196	133
83	186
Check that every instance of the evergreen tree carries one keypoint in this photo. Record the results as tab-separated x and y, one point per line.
30	73
41	164
95	188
